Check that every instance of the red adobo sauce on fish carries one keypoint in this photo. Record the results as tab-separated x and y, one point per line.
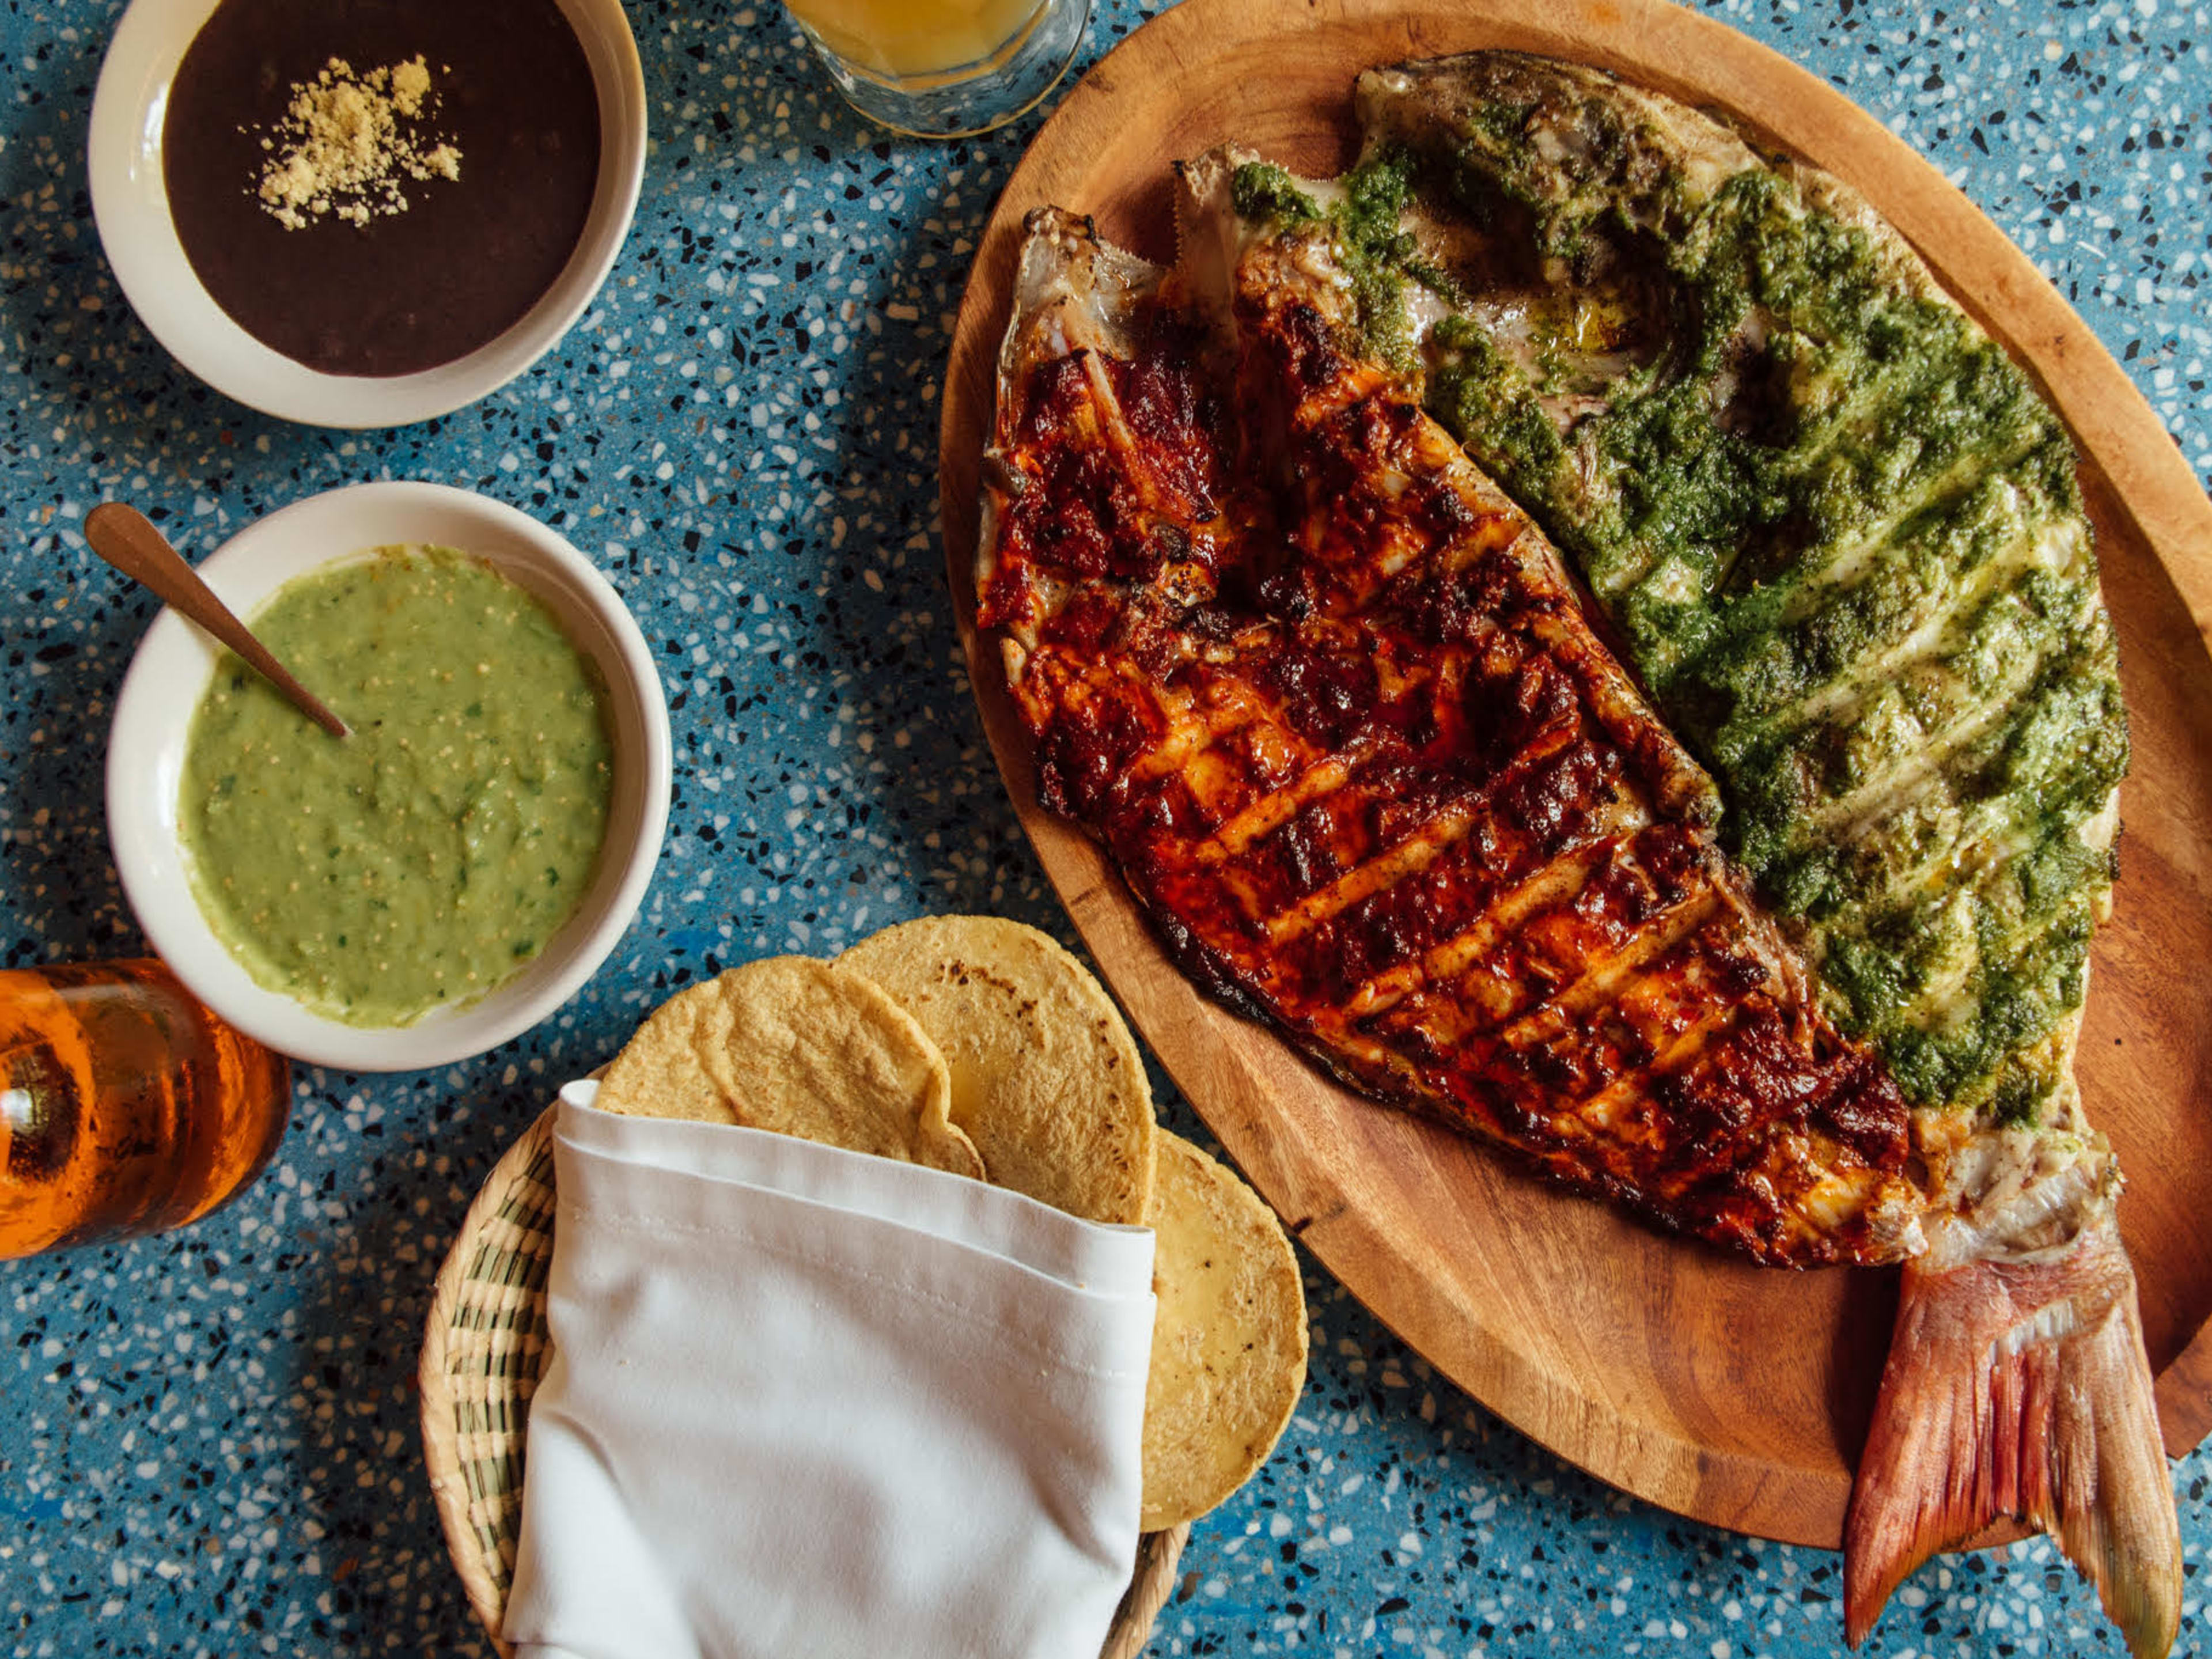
1322	694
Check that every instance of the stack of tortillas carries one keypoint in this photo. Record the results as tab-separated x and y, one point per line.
977	1045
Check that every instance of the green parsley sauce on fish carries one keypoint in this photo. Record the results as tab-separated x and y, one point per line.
432	854
1833	525
1381	258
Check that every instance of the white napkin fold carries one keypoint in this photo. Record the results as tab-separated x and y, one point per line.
805	1401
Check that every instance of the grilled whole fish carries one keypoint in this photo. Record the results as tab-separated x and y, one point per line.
1839	538
1331	704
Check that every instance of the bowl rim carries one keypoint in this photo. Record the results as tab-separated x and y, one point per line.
130	212
151	723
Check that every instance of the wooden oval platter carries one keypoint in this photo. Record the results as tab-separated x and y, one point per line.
1734	1394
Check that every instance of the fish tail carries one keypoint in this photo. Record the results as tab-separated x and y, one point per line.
2021	1389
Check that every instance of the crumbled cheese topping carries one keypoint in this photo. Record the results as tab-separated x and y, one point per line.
340	150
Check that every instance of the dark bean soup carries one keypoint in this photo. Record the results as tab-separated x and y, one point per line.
391	291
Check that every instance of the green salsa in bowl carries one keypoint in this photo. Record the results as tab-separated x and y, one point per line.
425	858
450	872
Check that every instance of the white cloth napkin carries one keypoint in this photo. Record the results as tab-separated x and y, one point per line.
805	1401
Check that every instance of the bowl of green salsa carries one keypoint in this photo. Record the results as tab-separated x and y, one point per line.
450	872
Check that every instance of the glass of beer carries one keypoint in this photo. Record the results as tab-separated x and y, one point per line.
942	69
126	1106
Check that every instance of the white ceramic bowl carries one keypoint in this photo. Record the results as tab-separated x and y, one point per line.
171	672
131	205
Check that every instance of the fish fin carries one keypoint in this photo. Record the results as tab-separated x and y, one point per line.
2021	1389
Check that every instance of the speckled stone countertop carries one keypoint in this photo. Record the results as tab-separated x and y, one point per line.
208	1440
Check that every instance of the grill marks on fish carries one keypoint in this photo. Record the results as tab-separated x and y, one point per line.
1329	701
1837	529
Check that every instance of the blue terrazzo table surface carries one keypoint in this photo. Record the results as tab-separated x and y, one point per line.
208	1440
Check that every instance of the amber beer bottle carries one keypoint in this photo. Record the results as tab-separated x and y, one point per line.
125	1107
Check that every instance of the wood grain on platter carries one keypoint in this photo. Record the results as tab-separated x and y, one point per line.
1734	1394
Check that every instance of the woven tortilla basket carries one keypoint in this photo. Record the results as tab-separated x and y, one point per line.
484	1349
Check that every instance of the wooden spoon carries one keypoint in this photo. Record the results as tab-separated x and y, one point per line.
124	537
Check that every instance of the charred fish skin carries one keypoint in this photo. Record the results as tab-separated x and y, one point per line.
1329	703
1837	529
1841	539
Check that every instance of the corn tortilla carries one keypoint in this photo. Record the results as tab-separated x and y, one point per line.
1228	1341
801	1047
1047	1080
